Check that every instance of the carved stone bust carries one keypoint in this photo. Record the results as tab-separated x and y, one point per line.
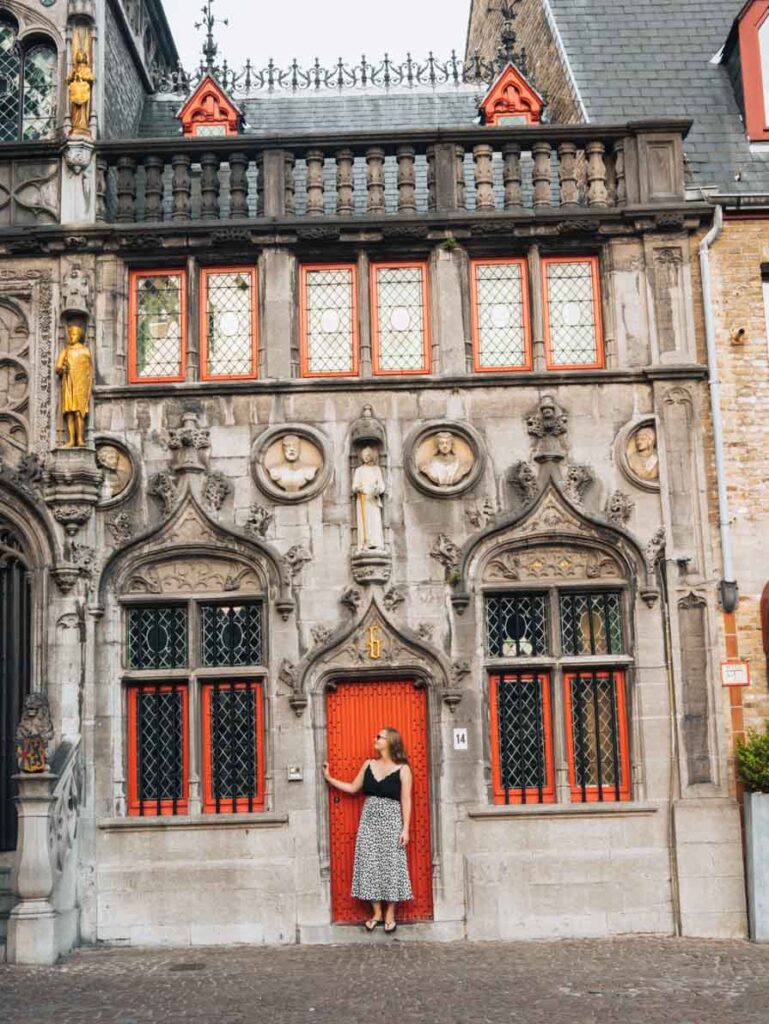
290	462
449	461
118	468
641	453
443	458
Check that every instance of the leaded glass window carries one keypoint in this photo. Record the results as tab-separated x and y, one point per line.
231	634
230	328
160	747
39	107
596	735
158	310
329	330
572	314
523	767
591	623
233	770
516	625
157	637
500	315
10	82
399	300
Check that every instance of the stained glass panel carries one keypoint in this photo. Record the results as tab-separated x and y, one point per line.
159	325
591	623
329	321
233	766
39	112
157	637
399	297
516	625
231	634
10	83
160	738
229	323
521	727
595	732
572	313
500	311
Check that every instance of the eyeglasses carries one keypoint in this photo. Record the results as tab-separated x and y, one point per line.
379	736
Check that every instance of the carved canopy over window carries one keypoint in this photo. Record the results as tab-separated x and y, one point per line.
27	86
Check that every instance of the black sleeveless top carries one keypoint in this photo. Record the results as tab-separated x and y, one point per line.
389	787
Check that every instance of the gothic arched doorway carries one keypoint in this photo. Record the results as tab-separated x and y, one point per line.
15	657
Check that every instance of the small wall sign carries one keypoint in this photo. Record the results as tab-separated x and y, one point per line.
735	672
460	739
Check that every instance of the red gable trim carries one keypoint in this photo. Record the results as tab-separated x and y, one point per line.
209	106
750	20
512	97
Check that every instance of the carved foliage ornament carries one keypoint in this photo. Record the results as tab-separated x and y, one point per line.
194	575
445	551
558	562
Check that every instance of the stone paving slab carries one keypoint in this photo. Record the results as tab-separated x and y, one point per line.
620	981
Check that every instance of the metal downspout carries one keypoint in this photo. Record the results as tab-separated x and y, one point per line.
728	585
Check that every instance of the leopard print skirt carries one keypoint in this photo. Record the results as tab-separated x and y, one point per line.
380	872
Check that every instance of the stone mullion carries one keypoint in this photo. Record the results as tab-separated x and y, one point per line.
537	311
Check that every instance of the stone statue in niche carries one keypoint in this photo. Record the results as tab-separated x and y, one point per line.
548	425
76	292
117	467
33	735
75	370
368	486
79	82
641	454
292	462
445	459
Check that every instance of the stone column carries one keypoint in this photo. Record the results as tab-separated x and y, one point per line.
31	926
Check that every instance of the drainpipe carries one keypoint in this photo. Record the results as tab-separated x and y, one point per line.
728	586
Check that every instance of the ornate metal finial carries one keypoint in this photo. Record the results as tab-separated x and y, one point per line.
506	54
210	47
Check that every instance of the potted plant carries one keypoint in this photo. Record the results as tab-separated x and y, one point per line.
753	769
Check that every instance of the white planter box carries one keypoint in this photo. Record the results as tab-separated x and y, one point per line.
757	842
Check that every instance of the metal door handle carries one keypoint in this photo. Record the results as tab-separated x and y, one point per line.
337	799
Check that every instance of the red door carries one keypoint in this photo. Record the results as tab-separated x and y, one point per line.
355	712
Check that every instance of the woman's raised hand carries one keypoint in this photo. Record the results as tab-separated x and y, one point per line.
326	773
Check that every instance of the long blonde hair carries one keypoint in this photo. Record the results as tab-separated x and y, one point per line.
395	746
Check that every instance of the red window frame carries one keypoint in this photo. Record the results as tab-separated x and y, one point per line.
422	266
304	342
205	274
753	86
209	800
133	305
516	796
592	794
149	808
475	314
597	318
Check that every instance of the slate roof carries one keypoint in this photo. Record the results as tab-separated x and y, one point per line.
652	58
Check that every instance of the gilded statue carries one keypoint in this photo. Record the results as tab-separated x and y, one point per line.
75	369
80	80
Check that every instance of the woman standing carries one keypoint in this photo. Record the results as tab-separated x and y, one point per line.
381	874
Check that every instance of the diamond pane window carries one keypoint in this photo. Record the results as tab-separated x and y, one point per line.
158	323
591	623
231	634
157	637
10	82
39	108
572	313
329	334
597	720
233	769
399	305
157	781
521	734
229	323
500	315
516	625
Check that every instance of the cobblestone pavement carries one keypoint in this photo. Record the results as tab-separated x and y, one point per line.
621	981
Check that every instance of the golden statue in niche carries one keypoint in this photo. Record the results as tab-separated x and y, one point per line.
75	369
80	80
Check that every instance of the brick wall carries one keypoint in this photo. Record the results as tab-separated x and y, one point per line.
535	36
123	87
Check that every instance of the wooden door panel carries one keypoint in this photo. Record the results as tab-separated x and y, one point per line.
355	712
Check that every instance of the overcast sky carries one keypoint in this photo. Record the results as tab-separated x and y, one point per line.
283	29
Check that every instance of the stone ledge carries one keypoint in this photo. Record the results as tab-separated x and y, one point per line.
215	821
597	810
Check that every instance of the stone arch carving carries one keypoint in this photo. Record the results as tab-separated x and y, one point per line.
31	523
189	552
550	539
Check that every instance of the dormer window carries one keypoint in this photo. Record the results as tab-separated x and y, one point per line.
210	112
753	33
512	101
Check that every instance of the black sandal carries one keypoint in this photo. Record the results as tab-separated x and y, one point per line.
373	923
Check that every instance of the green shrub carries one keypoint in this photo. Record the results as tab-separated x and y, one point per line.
753	760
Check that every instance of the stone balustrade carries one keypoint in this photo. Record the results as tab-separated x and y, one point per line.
521	171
